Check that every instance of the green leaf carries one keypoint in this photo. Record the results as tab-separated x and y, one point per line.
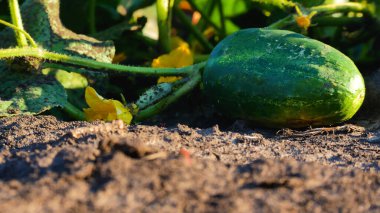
42	21
231	9
74	83
69	80
29	94
374	6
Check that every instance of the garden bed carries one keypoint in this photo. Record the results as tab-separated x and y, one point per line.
54	166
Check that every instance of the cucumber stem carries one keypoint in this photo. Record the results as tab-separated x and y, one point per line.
27	35
208	10
323	9
337	21
17	21
197	34
222	18
101	66
165	102
74	112
341	8
282	23
204	16
164	21
91	16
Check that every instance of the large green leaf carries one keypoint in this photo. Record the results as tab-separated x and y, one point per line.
42	21
231	9
69	80
74	84
28	94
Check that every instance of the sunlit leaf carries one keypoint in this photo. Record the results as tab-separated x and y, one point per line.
42	21
29	94
231	9
69	80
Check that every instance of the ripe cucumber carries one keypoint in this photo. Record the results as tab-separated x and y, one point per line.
278	78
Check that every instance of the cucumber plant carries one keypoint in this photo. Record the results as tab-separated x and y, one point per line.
50	45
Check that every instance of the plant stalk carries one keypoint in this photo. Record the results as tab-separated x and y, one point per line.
197	34
17	21
222	18
27	35
337	21
74	112
92	16
282	23
204	16
164	103
101	66
325	9
164	21
340	8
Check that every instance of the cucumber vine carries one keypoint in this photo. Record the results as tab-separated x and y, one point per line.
35	51
31	50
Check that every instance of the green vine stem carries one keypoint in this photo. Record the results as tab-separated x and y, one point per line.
189	26
207	9
165	102
68	68
325	9
343	7
164	21
204	16
74	112
198	58
17	21
101	66
337	21
27	35
282	23
91	16
222	18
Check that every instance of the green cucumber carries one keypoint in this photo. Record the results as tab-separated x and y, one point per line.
278	78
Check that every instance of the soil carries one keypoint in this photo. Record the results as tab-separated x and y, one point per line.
47	165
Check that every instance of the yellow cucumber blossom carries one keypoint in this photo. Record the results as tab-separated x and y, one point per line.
105	109
304	21
180	56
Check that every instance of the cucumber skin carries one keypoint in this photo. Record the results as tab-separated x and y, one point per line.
278	78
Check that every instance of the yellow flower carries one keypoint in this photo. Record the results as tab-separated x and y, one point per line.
105	109
180	56
304	21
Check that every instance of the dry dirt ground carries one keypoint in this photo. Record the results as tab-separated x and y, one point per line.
48	165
